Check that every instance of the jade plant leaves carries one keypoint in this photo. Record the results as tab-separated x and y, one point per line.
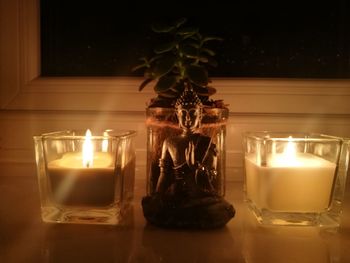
169	94
161	28
208	51
187	31
144	84
189	51
211	90
204	91
205	39
181	61
197	75
164	47
180	22
203	59
163	66
165	83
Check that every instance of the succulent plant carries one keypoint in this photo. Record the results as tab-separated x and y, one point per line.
179	62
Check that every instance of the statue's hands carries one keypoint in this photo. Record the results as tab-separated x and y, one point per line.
189	154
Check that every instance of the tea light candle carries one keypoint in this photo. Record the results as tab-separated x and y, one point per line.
290	181
83	178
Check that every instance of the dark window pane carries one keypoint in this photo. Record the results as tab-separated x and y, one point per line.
106	38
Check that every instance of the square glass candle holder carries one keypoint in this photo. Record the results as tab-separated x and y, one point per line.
85	178
295	178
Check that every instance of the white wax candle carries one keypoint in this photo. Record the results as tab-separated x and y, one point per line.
301	184
75	160
72	183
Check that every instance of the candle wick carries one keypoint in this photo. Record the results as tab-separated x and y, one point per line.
87	164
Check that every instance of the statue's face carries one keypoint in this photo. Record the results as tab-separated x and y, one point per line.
189	118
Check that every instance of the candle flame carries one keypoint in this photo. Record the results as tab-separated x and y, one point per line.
88	153
290	152
105	142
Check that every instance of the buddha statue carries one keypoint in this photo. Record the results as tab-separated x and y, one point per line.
188	161
185	195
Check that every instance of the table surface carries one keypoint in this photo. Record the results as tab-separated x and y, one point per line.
25	238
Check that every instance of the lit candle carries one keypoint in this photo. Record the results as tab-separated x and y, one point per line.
83	178
290	181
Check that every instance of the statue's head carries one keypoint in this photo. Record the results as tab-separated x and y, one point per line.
189	110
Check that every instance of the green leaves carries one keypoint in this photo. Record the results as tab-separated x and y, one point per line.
145	64
197	75
163	66
204	91
208	51
165	83
164	47
187	31
206	39
179	61
180	22
161	28
189	51
144	83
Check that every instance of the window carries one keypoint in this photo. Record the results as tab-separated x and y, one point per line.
286	40
23	86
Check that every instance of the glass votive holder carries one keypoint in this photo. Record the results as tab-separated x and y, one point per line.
85	178
295	178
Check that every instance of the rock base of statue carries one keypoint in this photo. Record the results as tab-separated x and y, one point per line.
183	212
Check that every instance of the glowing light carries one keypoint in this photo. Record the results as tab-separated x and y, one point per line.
288	158
290	153
88	152
105	142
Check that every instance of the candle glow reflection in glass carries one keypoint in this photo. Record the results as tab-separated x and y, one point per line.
293	179
88	152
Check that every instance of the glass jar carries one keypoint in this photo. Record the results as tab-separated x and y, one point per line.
162	123
295	178
85	178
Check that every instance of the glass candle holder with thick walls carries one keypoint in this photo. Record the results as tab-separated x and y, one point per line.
295	178
85	178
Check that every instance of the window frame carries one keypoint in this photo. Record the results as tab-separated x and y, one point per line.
23	88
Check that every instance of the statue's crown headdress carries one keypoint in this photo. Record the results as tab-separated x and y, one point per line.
188	98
